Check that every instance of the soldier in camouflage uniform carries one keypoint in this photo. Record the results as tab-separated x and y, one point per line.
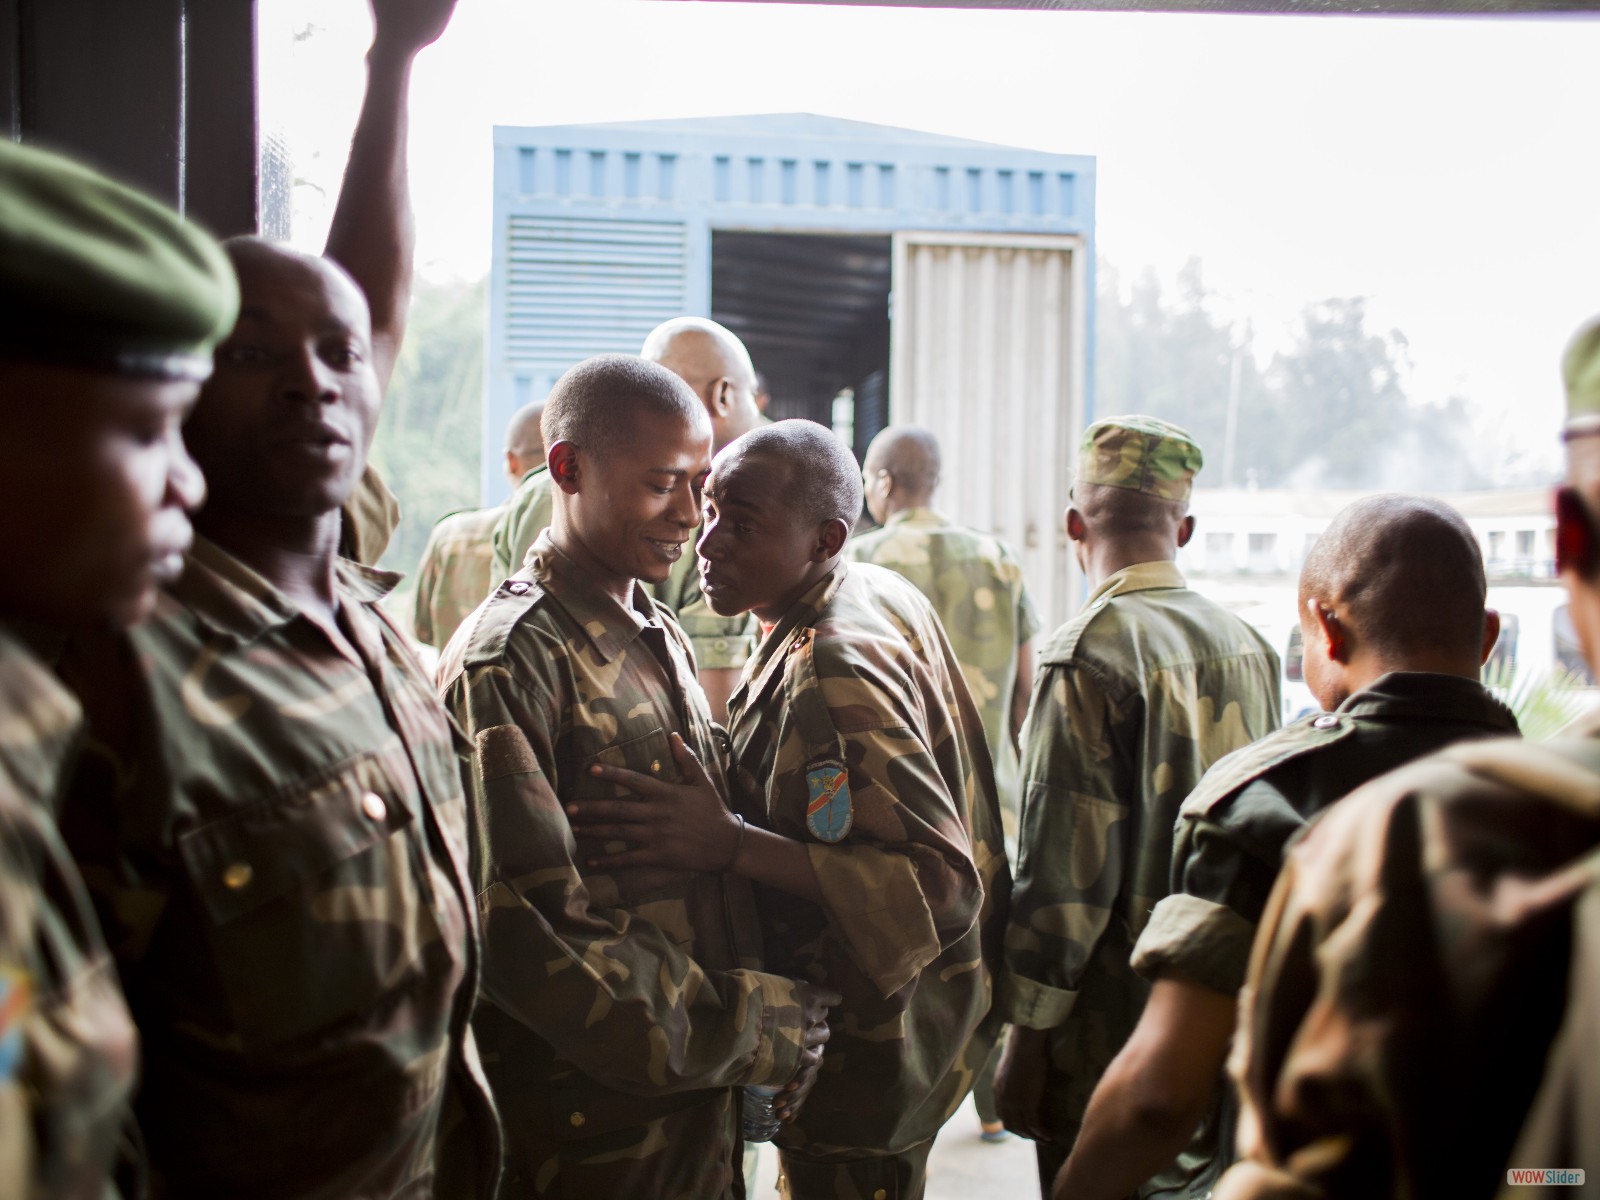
457	568
271	816
1392	613
713	362
111	306
1410	974
1135	698
864	807
622	1004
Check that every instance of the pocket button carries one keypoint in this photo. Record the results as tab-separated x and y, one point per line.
655	766
237	875
577	1119
372	804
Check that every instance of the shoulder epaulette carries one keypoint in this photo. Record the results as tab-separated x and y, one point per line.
510	603
1234	771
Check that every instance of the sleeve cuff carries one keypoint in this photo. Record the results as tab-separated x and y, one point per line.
782	1036
1200	939
1033	1005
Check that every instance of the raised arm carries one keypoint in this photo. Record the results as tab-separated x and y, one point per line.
372	235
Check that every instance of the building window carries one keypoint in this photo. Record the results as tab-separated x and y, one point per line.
1497	545
1524	545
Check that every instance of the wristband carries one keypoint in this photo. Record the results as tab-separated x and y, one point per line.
738	847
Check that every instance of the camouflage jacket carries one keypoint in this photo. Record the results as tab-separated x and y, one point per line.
456	573
1135	698
1410	976
1233	827
272	823
67	1043
719	643
621	1008
368	519
976	587
853	733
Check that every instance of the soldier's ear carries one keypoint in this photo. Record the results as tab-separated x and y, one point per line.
563	462
831	537
1328	627
1077	527
1185	531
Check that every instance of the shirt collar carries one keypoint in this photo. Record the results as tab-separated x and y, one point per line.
609	626
232	598
1430	696
769	657
915	516
1141	577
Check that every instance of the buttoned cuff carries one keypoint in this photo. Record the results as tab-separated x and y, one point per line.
782	1035
1200	939
1031	1004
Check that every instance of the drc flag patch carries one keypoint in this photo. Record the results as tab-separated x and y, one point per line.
828	812
16	1002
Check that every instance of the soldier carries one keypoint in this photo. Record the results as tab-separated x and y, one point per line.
272	821
1409	977
713	362
1135	698
976	587
863	805
1393	619
110	307
456	571
623	1006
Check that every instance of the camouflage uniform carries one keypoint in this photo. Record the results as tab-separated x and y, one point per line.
622	1008
1233	827
719	643
1408	980
368	519
456	573
976	587
67	1044
1135	699
273	828
856	695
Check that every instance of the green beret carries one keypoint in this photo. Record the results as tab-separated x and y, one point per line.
94	274
1142	453
1580	371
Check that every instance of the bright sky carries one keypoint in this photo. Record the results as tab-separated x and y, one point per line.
1442	168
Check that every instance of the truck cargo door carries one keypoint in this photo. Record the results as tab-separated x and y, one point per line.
987	343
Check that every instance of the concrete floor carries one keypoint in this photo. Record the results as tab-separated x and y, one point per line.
962	1166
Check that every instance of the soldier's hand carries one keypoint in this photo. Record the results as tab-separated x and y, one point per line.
815	1001
1019	1083
683	826
405	26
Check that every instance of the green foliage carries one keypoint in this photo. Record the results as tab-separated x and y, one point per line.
1329	411
428	442
1545	703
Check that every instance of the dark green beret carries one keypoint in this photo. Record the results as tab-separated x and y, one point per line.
94	274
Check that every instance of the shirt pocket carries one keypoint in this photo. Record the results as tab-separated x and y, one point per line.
315	903
648	754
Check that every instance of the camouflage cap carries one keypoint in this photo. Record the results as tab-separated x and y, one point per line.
94	274
1580	371
1142	453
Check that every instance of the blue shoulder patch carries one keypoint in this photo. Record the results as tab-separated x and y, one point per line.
828	811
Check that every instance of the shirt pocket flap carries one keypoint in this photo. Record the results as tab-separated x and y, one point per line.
282	844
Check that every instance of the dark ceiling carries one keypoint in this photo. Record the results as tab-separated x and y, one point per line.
1449	8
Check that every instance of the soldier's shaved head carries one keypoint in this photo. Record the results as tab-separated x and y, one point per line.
715	364
1404	573
822	483
1112	512
911	457
523	436
596	404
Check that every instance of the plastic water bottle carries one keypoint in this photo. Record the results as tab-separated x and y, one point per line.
759	1119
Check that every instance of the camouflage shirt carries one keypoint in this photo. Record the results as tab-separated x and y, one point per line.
1135	698
719	643
853	733
368	519
1411	973
456	573
1233	827
621	1008
67	1044
272	823
976	587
